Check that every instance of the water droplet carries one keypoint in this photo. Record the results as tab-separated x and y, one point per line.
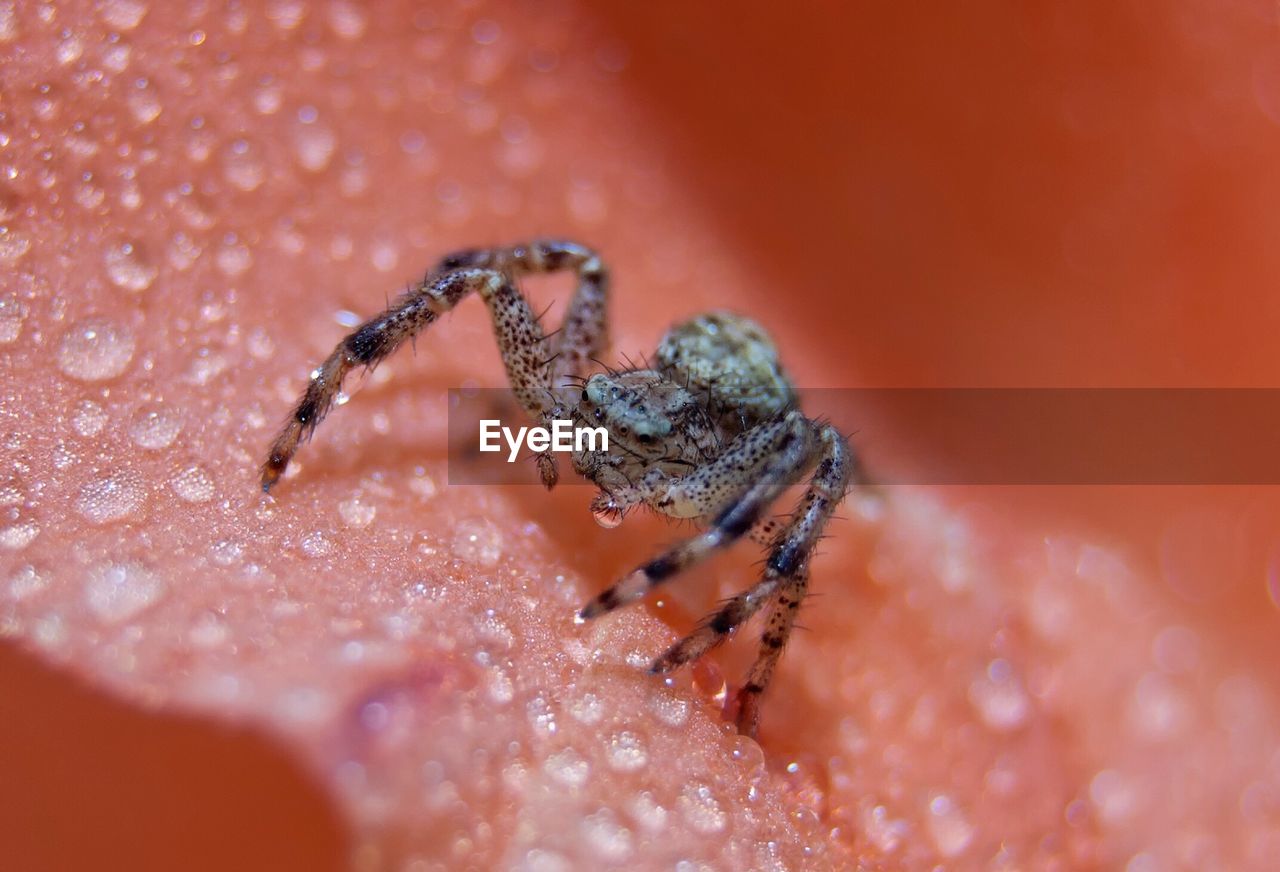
587	709
626	752
19	535
357	513
113	498
478	541
27	582
69	50
316	544
568	768
286	14
143	102
422	484
154	428
609	840
129	268
500	687
183	251
383	255
192	485
348	20
948	827
999	698
1159	708
748	754
242	167
209	631
314	145
116	57
88	419
669	707
120	591
123	14
701	809
13	314
493	632
95	350
207	366
233	257
13	245
226	552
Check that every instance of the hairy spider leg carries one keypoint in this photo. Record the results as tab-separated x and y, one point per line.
520	338
770	456
784	584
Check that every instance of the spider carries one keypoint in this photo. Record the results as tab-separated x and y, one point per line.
709	431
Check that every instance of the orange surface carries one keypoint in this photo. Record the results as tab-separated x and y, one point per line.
1071	195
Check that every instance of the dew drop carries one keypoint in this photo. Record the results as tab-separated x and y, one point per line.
999	698
500	687
13	314
948	827
129	268
568	768
348	20
89	418
609	840
314	145
226	552
478	541
316	545
13	245
120	591
143	102
192	484
701	809
268	97
587	709
233	257
669	707
27	582
209	631
95	350
242	167
357	513
69	50
183	251
154	428
626	752
19	535
124	14
113	498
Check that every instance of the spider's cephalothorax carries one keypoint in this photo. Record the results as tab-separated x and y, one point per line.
709	430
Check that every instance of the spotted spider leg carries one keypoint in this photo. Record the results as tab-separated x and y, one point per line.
521	341
768	457
785	581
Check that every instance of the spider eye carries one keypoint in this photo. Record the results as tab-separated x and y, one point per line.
584	396
599	414
645	439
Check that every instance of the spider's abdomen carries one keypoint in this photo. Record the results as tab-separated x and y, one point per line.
731	364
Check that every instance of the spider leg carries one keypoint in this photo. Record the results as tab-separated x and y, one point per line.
520	341
769	456
788	563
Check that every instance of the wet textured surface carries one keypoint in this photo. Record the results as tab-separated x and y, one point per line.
196	204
